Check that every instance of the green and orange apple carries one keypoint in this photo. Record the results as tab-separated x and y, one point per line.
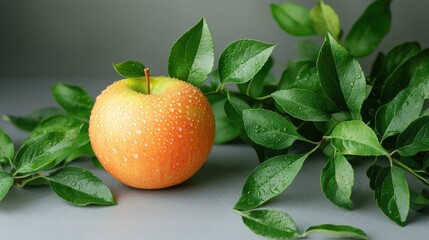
153	135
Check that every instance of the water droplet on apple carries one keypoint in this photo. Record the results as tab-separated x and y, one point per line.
171	109
114	150
135	155
145	145
179	129
138	131
144	121
135	142
125	159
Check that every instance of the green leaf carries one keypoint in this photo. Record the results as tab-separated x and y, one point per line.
293	18
372	173
225	129
255	87
73	99
130	69
398	55
426	161
81	147
341	77
325	19
214	79
80	187
377	67
271	223
392	194
269	129
263	153
269	179
369	109
339	231
96	163
392	61
356	138
415	138
6	148
302	74
412	73
234	107
29	122
38	153
302	104
242	59
54	123
337	180
393	117
6	182
366	34
192	55
418	201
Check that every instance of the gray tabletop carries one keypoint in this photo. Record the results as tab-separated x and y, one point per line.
200	208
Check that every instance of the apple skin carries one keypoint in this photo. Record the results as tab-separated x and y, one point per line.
155	140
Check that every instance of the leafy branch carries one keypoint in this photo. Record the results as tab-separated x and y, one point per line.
57	138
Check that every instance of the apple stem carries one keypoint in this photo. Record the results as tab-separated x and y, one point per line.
146	73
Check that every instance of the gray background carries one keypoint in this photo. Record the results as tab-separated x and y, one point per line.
43	42
65	39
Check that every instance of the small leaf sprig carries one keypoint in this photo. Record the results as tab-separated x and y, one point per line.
58	136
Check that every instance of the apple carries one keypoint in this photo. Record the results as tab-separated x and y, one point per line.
151	139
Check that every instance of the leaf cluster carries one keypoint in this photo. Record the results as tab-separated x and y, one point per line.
324	101
57	138
329	102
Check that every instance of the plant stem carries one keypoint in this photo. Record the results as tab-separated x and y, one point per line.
218	89
147	74
410	171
